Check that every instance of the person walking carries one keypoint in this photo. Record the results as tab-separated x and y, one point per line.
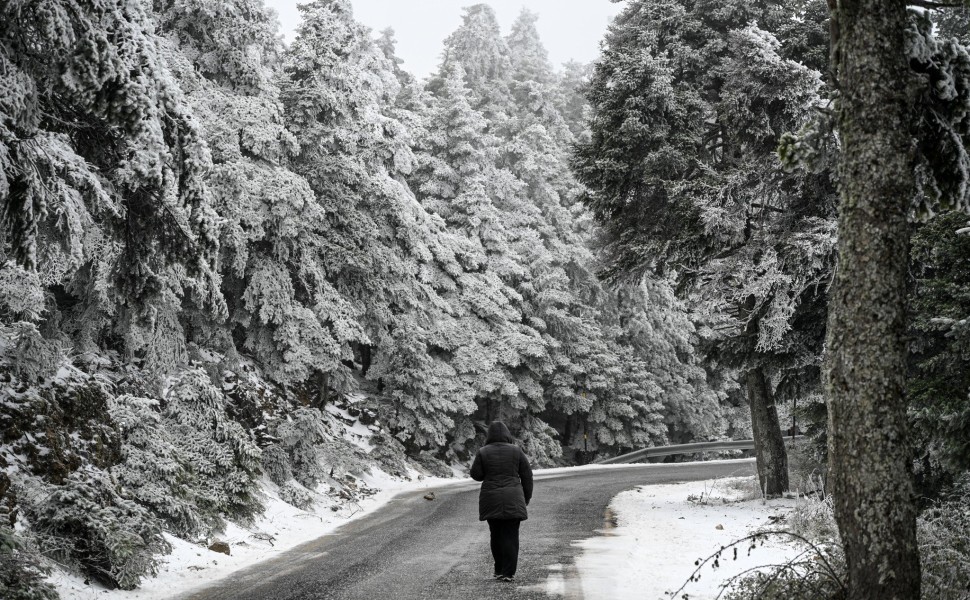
506	478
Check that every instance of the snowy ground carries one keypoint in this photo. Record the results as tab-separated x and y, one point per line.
660	530
282	526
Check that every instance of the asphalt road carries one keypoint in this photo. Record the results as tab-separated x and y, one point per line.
415	549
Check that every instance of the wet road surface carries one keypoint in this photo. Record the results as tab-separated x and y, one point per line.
415	549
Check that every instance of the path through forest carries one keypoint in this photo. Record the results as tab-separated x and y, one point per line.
436	549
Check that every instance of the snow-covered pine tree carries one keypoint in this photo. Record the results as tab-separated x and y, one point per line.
492	349
478	46
382	251
656	326
109	251
683	175
103	178
282	310
476	59
511	84
564	290
600	378
903	98
571	98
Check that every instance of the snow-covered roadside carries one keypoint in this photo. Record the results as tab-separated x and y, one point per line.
660	533
282	527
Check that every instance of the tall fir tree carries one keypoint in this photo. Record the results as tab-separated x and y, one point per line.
103	181
682	172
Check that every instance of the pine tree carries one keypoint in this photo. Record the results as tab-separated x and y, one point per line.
867	324
103	177
571	98
481	51
588	379
336	83
457	179
271	222
382	251
682	172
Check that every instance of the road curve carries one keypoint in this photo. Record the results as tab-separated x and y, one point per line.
415	549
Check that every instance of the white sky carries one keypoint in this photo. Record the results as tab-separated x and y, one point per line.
570	29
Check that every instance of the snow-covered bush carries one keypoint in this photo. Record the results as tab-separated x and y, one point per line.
300	437
276	464
153	470
815	520
21	576
389	453
293	493
220	455
31	356
185	458
307	454
85	522
817	572
797	580
944	545
944	542
434	465
340	457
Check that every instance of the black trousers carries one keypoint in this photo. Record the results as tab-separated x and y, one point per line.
505	545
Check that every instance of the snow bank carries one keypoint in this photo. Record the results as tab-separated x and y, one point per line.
281	527
659	533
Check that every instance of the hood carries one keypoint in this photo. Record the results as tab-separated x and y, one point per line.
498	432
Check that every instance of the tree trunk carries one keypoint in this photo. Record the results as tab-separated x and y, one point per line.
769	445
324	388
869	455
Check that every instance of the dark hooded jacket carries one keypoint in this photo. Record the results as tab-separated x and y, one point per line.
505	474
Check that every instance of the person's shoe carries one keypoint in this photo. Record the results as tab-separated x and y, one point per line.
504	578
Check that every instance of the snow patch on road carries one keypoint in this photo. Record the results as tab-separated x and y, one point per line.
658	531
555	582
282	526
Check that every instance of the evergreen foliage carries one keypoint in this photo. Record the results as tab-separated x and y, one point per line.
939	371
299	440
682	172
153	470
86	522
217	451
208	240
594	391
103	169
21	576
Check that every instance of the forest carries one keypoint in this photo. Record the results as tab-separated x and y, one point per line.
213	243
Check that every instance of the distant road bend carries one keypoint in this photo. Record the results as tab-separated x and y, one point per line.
415	549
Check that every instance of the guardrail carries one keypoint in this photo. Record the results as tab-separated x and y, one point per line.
692	448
